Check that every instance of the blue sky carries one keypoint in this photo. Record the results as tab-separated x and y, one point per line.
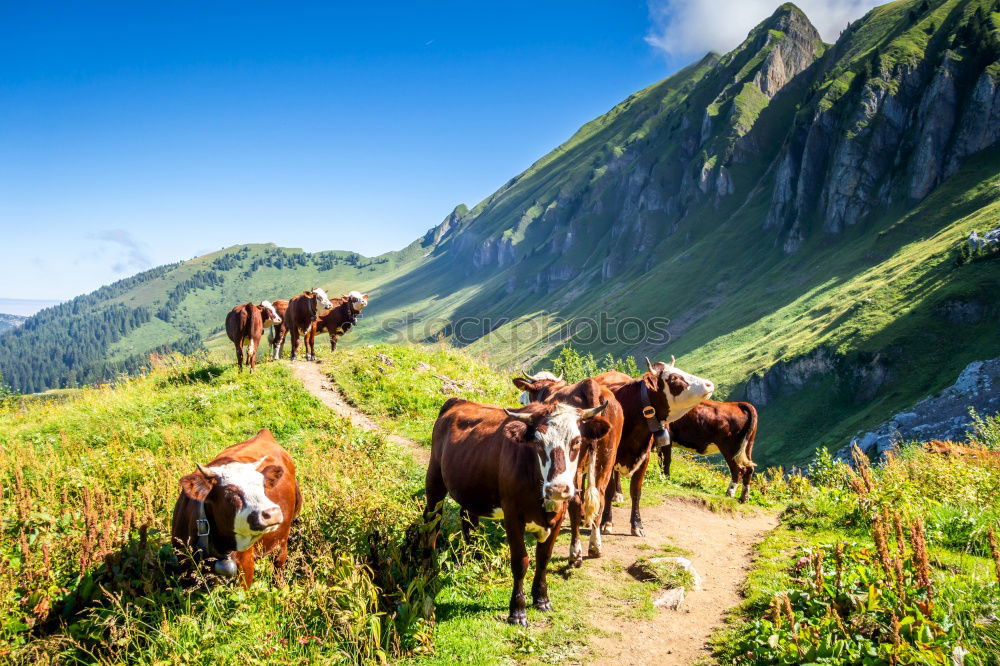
135	134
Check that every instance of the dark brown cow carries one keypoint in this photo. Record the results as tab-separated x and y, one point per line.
244	326
597	459
662	395
239	506
342	317
728	428
516	466
299	316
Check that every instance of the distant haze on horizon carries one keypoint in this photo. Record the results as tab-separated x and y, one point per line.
24	307
138	135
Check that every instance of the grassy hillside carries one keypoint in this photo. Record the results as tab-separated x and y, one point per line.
90	480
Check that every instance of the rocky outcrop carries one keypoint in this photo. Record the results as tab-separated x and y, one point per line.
861	377
944	415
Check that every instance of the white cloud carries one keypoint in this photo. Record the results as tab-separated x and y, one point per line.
127	254
694	27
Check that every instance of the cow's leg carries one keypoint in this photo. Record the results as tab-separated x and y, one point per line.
618	495
747	475
469	523
244	564
333	342
595	545
609	493
435	492
543	553
252	354
734	473
575	518
239	355
277	342
635	490
514	527
295	343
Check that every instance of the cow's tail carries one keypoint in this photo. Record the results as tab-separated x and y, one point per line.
592	497
741	459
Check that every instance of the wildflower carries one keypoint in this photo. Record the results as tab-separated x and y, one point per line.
920	561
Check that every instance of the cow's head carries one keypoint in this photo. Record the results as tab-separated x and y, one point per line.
536	388
323	304
358	301
556	432
235	498
673	391
269	314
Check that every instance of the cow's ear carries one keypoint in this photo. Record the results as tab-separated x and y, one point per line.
523	384
595	428
516	430
197	486
364	296
272	474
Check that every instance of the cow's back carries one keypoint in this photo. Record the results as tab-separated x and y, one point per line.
237	323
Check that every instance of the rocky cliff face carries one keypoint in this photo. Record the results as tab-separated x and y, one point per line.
944	415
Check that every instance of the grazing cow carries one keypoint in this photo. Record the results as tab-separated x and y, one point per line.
244	326
342	317
239	505
300	314
597	458
659	397
516	466
728	428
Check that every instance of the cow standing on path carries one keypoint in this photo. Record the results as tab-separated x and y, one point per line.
729	428
275	334
342	317
244	326
597	460
240	504
300	314
662	395
516	466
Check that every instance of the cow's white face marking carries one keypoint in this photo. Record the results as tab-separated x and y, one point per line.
358	300
697	390
541	533
275	319
558	467
251	485
323	304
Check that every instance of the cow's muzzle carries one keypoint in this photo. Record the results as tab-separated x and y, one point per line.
558	492
267	520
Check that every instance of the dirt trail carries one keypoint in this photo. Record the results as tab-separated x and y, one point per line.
720	545
321	386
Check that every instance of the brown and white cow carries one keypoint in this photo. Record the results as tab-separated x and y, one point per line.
300	314
342	317
659	397
244	326
597	460
728	428
519	467
275	335
238	506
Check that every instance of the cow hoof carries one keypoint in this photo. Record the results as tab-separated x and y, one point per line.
543	605
618	498
519	618
576	562
606	528
637	531
594	552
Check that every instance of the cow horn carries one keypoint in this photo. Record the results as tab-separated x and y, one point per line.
205	472
673	360
260	463
593	411
523	417
559	378
527	376
649	365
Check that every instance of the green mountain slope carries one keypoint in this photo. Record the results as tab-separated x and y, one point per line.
793	208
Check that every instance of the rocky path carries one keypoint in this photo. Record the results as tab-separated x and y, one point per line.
720	545
321	386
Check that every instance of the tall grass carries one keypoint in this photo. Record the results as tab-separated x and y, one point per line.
86	572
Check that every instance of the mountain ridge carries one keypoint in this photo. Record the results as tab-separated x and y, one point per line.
789	200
